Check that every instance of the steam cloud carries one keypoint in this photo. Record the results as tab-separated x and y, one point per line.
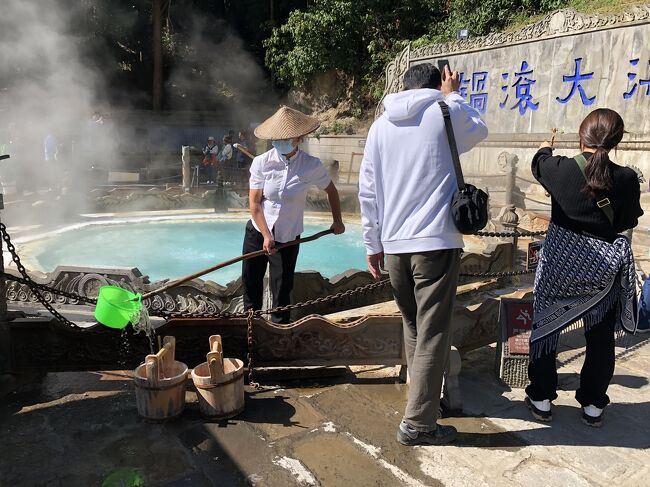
45	89
214	61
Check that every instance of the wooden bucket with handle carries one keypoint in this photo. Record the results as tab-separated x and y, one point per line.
160	384
219	383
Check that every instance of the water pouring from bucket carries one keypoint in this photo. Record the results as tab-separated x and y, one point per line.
117	307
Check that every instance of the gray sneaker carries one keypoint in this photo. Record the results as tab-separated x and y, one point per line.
441	435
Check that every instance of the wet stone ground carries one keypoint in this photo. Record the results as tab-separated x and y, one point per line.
82	429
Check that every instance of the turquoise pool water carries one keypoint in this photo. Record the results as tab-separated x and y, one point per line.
172	249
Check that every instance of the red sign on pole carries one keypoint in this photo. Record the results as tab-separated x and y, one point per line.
518	317
534	249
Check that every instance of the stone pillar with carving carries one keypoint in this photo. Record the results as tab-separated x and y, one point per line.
508	218
187	173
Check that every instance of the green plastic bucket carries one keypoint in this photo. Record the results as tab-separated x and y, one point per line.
116	307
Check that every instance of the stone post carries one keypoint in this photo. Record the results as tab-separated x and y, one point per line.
508	218
187	172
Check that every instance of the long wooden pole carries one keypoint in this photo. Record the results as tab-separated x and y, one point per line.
250	255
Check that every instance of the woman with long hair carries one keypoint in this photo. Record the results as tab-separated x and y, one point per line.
586	270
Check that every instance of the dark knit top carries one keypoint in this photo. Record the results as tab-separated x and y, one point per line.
573	209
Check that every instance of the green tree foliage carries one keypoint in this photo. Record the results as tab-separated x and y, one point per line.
114	38
486	16
323	37
361	36
356	36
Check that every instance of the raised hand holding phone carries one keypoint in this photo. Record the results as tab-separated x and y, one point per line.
450	81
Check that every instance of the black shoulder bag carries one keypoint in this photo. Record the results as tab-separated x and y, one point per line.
469	206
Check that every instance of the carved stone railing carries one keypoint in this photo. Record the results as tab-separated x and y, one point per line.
199	296
375	338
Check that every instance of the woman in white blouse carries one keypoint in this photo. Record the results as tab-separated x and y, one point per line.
279	181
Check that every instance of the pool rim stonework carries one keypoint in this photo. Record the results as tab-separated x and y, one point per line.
205	296
27	245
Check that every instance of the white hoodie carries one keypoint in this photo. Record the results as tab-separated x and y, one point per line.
407	179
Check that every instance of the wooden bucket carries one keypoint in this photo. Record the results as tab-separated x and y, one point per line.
160	384
219	383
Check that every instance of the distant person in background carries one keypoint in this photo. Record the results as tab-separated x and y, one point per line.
61	176
242	159
209	163
50	147
225	158
17	169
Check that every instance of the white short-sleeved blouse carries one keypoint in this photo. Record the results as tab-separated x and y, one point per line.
285	183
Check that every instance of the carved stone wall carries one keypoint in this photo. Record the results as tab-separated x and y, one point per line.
45	345
574	63
375	338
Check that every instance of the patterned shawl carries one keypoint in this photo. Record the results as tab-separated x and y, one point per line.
581	277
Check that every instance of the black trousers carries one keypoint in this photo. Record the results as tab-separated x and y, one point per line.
597	370
282	269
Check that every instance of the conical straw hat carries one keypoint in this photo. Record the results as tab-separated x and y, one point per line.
286	123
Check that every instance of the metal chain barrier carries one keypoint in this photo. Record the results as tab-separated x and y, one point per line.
515	233
332	297
497	274
250	315
249	349
34	289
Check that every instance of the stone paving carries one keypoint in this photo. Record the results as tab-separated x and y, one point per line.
82	429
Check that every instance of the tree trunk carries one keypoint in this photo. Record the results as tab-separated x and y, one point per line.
272	13
157	54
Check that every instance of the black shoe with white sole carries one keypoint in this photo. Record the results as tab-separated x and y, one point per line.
592	416
538	414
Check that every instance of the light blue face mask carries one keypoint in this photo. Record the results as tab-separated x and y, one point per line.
283	146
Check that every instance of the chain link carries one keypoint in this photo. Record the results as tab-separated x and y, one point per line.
332	297
30	283
515	233
249	341
497	274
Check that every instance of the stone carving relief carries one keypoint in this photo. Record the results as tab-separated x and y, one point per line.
199	296
556	24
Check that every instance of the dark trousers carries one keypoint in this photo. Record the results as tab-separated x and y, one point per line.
597	370
282	268
424	286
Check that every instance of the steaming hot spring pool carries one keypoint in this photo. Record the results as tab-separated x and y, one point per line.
170	249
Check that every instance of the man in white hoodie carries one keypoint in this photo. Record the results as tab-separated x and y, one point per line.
406	184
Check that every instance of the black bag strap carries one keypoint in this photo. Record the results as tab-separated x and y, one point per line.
603	204
452	145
